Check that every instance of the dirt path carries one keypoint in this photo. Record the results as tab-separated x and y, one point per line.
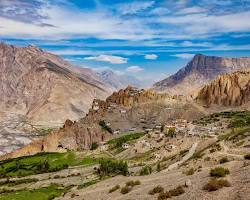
226	149
185	158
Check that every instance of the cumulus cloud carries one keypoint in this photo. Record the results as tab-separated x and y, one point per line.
184	55
134	69
108	58
151	56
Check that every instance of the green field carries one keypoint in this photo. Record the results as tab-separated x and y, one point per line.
126	138
236	118
46	193
116	143
42	163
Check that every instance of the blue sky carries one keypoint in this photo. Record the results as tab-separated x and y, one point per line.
150	39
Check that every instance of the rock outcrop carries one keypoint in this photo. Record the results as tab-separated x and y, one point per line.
200	71
45	88
81	134
227	90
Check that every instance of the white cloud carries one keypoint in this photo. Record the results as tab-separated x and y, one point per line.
191	10
68	23
160	11
184	55
151	56
196	24
134	69
108	58
134	7
196	44
174	20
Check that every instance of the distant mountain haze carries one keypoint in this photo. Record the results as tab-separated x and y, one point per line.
117	81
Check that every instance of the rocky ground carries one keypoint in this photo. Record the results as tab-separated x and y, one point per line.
188	165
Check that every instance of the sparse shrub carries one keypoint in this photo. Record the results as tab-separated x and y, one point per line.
133	183
164	195
171	193
190	172
247	157
219	172
223	160
207	159
212	150
171	132
126	189
104	126
215	184
146	171
94	146
157	189
198	155
57	177
137	182
158	168
113	189
177	191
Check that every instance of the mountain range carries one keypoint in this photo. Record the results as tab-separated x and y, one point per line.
119	81
43	87
199	71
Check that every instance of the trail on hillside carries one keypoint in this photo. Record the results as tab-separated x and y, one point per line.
185	158
226	149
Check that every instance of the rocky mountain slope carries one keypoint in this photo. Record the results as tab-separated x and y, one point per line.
117	81
198	72
45	88
129	109
227	90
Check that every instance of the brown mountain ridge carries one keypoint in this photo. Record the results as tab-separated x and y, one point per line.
199	71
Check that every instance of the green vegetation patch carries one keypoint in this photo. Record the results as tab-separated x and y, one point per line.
219	172
171	193
125	138
87	184
110	167
17	182
146	170
237	118
155	190
46	193
113	189
216	184
105	127
42	163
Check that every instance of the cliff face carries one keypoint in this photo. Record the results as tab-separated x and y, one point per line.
45	88
198	72
131	96
227	90
72	136
81	134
